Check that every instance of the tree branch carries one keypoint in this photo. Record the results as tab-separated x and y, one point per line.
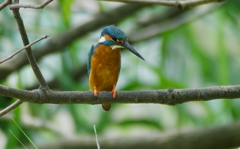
168	96
10	108
30	55
5	4
15	53
218	137
41	6
173	3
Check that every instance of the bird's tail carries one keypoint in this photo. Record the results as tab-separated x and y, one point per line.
106	106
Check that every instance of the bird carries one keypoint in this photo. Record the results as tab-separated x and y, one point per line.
104	61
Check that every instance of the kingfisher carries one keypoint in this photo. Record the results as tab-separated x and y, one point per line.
104	61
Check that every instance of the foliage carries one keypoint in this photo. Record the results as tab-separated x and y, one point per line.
200	53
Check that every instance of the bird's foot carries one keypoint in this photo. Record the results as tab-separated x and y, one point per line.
114	92
95	91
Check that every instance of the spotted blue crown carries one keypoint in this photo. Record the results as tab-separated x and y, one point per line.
114	32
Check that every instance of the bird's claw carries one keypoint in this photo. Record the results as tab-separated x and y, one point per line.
95	91
114	92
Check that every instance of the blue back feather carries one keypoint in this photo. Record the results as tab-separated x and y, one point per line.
92	49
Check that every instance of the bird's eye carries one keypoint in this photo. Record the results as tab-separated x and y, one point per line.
118	41
115	39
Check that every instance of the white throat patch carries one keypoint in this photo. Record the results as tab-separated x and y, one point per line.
116	47
102	39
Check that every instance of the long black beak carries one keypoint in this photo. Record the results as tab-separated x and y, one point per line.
131	49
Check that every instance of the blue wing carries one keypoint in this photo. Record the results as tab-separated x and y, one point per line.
92	49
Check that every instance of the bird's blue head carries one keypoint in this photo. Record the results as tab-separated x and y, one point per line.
115	38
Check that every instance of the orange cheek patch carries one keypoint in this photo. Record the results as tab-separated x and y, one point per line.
107	37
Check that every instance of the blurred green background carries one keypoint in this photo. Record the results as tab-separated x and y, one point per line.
190	48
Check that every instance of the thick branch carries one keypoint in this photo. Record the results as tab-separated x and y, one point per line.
227	136
173	3
168	96
41	6
30	55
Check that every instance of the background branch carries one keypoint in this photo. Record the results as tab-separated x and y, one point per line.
169	14
41	6
174	3
163	27
215	137
168	97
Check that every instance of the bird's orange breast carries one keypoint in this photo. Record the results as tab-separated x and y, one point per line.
105	66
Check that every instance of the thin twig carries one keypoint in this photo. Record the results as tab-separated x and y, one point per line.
31	57
41	6
10	108
11	56
173	3
95	131
4	4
